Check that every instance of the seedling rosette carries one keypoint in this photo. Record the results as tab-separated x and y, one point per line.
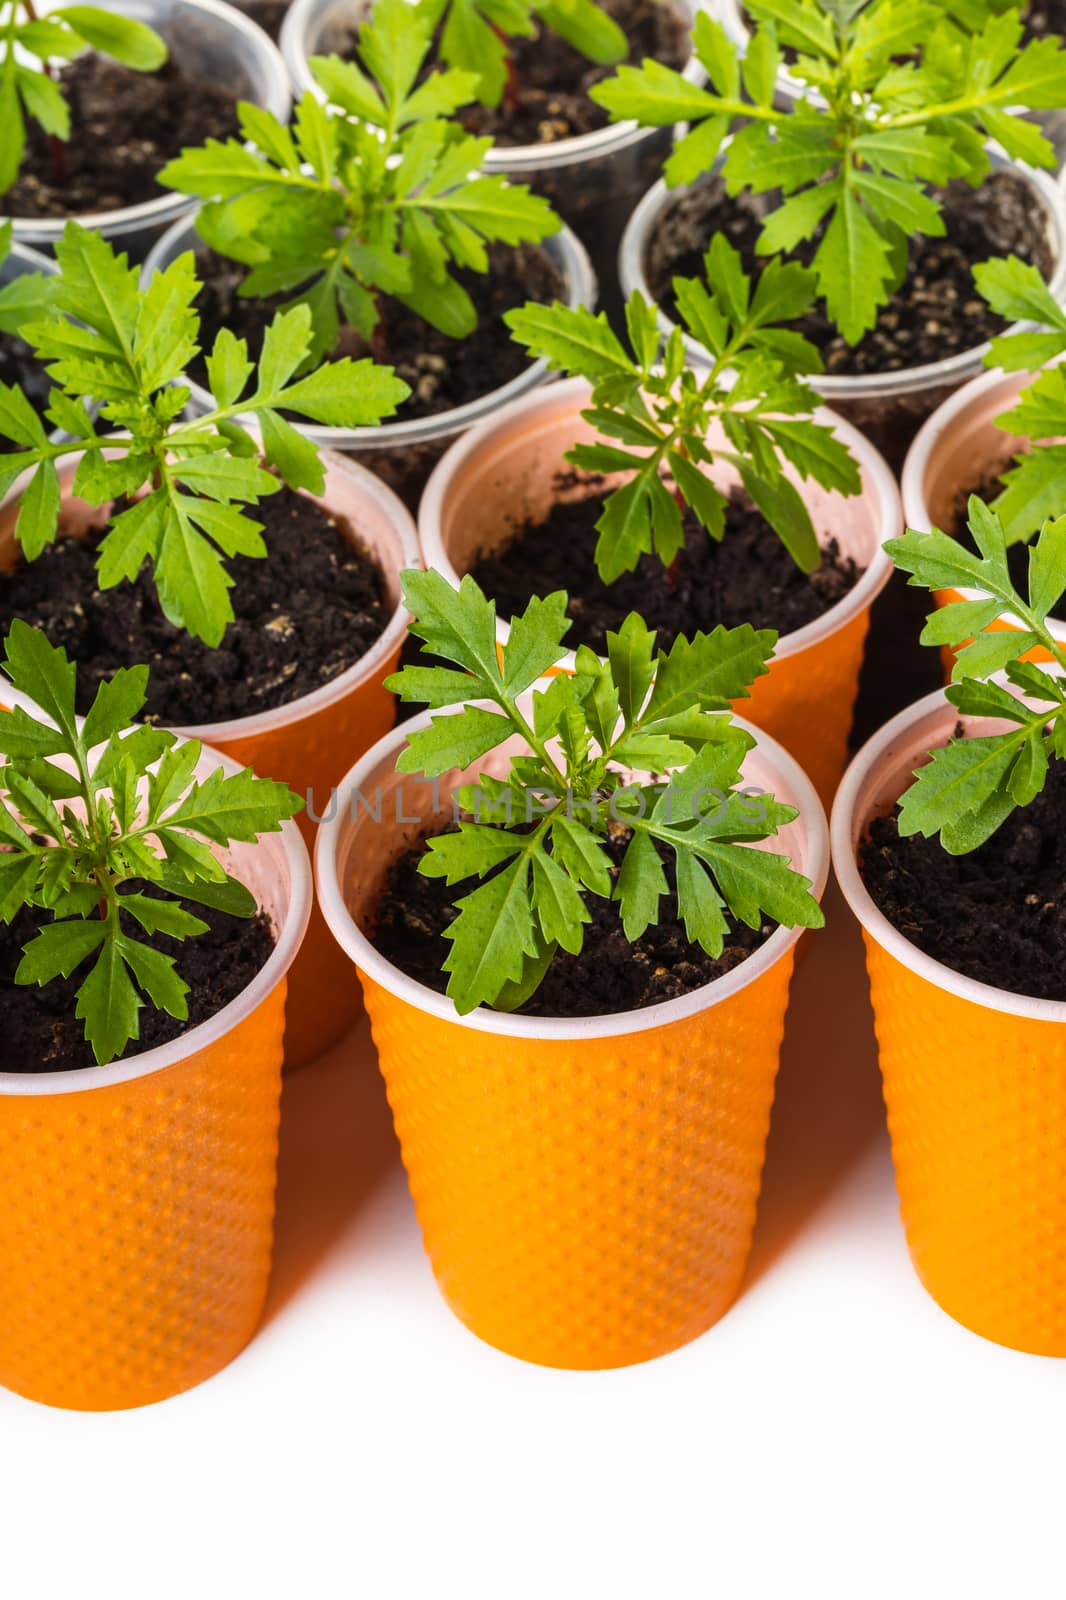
535	838
969	788
898	101
183	486
91	814
28	89
377	194
660	414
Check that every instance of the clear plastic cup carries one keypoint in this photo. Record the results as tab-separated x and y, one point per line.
404	453
221	45
593	181
888	406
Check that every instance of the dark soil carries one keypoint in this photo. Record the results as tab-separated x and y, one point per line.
125	126
553	79
269	14
937	313
38	1026
997	915
442	372
304	615
1044	17
609	975
19	366
748	577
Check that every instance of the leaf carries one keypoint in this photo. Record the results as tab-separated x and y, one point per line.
535	643
757	885
458	624
113	34
990	653
1019	292
18	879
162	916
625	530
957	780
473	851
454	742
710	670
699	904
560	909
108	1004
853	267
570	339
1047	568
58	949
640	886
38	517
347	394
629	652
228	368
45	673
581	853
490	937
118	701
238	807
291	454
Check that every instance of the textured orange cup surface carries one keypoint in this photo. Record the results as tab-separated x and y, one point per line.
504	473
310	743
137	1199
975	1085
958	448
586	1187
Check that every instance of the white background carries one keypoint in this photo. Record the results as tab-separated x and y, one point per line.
836	1435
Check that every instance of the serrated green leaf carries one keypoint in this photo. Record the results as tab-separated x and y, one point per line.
641	885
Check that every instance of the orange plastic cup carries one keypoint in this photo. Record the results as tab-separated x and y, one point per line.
504	472
586	1187
959	445
137	1199
310	743
975	1084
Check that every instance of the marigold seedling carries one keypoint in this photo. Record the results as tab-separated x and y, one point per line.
899	98
661	414
28	43
377	194
1034	485
187	481
969	788
537	836
475	35
92	811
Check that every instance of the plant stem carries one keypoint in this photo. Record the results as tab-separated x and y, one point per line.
57	148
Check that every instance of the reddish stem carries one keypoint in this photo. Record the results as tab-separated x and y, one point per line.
672	569
511	87
55	144
379	339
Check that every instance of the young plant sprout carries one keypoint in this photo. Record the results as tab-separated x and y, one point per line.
187	482
475	36
661	415
969	788
1034	486
28	43
81	836
392	199
540	852
900	99
29	295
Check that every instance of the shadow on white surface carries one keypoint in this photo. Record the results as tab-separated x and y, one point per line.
337	1147
828	1111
